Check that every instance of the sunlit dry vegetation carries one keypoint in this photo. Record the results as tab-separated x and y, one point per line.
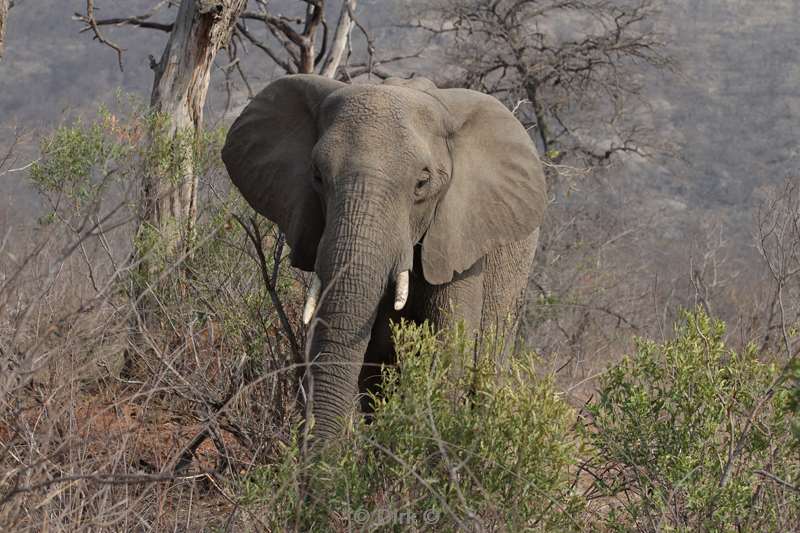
168	401
150	381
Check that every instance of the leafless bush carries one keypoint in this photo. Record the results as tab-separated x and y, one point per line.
778	243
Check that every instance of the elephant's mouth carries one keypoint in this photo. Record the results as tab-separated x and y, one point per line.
314	293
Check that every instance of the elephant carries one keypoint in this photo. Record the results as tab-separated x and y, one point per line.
404	200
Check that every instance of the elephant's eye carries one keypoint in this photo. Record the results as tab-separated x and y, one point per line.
423	181
316	177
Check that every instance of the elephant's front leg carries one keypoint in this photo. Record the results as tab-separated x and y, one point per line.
505	280
459	300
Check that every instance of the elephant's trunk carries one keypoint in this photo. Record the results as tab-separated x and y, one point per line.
361	254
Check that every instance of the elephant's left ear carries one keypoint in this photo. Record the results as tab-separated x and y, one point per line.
497	193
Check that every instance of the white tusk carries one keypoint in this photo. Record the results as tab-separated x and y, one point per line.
401	291
313	297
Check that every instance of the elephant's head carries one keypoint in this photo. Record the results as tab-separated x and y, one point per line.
357	175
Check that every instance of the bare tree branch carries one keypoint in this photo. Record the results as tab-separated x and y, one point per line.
270	278
90	20
511	48
278	23
340	39
140	21
359	69
299	44
242	30
367	36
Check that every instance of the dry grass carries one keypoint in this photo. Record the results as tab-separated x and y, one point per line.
109	420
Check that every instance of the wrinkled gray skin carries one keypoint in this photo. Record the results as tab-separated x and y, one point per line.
368	181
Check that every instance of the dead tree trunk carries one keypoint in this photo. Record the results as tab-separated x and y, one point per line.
182	76
5	5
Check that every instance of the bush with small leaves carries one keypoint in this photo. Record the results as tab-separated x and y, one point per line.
687	437
456	442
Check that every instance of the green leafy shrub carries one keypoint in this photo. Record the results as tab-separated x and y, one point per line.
675	449
82	160
71	156
453	445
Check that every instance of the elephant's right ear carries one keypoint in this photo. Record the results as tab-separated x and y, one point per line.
268	155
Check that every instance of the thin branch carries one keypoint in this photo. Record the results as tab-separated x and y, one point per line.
93	25
104	479
276	22
367	36
777	480
376	68
242	30
140	21
254	234
324	48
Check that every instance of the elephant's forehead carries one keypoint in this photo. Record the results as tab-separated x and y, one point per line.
375	105
377	126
